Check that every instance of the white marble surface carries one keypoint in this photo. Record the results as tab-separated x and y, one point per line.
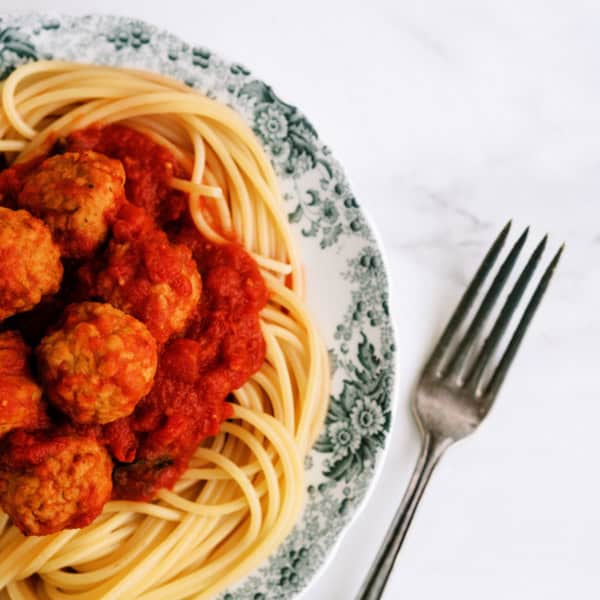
451	117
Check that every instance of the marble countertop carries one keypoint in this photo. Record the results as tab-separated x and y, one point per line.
451	118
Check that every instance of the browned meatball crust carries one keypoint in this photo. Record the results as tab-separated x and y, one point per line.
53	481
20	396
148	276
77	194
30	266
99	364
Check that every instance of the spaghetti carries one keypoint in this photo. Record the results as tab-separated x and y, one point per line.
244	488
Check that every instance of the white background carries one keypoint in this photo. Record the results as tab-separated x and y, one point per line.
450	117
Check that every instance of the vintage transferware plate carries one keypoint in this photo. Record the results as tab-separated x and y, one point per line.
346	280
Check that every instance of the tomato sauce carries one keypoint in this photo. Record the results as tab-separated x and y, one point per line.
149	168
220	349
222	345
12	180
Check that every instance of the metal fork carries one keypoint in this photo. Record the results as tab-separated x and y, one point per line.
453	395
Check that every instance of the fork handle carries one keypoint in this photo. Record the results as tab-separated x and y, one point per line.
374	584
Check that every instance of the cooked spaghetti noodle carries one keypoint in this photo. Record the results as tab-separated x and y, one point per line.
243	490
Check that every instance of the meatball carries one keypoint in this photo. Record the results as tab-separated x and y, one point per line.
99	364
20	396
30	266
149	277
53	481
78	195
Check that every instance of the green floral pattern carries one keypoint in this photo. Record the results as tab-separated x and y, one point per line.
15	49
287	135
336	240
135	35
359	418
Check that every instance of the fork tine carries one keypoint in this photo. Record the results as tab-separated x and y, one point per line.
473	379
457	361
517	338
437	355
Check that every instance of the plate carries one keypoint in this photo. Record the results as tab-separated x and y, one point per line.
346	279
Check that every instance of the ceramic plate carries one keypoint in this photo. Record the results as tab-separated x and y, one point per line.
346	279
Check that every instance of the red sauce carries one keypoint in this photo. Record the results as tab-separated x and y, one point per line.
140	265
221	348
149	168
222	345
12	180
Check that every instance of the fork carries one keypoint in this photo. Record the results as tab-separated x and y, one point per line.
453	394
